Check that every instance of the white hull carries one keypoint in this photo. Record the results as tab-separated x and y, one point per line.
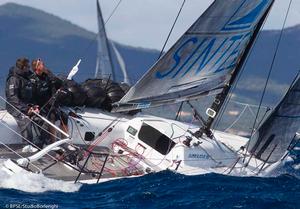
141	139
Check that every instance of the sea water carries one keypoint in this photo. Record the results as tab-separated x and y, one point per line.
34	183
158	190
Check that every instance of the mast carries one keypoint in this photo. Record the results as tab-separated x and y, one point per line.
219	100
104	66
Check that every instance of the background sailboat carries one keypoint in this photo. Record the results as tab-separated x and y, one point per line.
104	65
106	88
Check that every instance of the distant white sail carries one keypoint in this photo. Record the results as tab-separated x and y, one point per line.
273	137
104	67
121	64
202	60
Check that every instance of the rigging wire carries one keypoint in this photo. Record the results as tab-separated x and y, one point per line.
163	48
271	69
237	119
229	98
113	12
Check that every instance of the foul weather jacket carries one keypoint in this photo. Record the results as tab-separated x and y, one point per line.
18	91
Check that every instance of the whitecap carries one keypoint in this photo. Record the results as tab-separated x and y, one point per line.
296	167
36	183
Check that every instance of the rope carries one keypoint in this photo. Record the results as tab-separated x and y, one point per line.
252	113
238	118
162	50
245	104
103	135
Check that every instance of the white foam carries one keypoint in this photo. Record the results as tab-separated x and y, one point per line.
296	167
30	182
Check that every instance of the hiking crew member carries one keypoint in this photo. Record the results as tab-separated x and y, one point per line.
19	95
43	83
44	89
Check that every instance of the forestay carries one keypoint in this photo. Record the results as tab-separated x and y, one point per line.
202	60
104	68
274	136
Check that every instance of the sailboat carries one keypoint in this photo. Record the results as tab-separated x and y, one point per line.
106	88
206	60
104	65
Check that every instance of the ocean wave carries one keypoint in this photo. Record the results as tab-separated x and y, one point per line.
31	182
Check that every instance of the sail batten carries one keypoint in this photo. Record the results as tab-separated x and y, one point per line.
203	59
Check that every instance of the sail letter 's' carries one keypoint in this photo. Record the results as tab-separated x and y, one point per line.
202	60
176	58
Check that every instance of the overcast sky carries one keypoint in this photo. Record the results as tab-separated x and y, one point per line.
145	23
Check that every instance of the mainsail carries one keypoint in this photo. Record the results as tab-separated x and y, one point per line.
104	67
274	136
202	60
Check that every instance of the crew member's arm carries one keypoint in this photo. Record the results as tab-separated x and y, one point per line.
56	83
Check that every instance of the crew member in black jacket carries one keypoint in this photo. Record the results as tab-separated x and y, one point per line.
19	95
45	85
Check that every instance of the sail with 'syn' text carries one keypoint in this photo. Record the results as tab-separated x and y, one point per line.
202	60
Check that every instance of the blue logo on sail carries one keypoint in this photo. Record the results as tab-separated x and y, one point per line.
215	53
239	23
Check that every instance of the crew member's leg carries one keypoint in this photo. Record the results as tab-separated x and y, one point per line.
41	130
64	121
25	126
52	118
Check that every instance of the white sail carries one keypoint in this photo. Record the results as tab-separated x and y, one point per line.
121	64
274	136
104	67
202	60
